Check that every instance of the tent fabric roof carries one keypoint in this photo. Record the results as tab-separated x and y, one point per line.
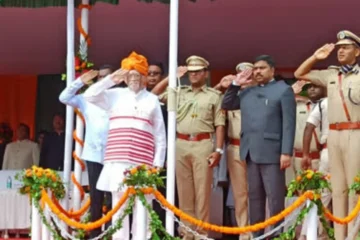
46	3
33	41
62	3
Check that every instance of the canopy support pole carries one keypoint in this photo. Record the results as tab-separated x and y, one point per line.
70	75
173	55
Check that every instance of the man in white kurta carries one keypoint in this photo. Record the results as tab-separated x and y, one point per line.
23	153
96	123
136	130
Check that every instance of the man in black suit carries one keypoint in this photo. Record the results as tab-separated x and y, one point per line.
52	150
268	113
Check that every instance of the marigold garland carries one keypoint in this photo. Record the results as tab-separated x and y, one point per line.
150	176
231	230
85	226
78	185
72	214
352	215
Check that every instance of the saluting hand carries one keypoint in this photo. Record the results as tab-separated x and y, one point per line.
244	77
119	76
323	52
298	86
285	161
226	81
87	77
181	70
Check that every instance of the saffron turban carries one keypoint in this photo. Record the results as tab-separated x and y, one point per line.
135	62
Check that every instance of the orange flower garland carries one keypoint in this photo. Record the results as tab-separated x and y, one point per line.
230	230
346	219
204	225
84	226
72	214
147	176
83	209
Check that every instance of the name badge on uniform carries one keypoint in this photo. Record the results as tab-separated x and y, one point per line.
302	112
332	83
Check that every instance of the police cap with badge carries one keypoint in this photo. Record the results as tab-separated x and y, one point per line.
196	63
346	37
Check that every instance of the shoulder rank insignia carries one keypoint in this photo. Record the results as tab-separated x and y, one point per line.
214	91
334	67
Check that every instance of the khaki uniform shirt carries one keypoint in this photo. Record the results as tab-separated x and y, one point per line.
205	112
351	89
20	155
302	114
234	121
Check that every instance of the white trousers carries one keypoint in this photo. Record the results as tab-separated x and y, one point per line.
124	232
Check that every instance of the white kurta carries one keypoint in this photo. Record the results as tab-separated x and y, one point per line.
20	155
96	122
136	131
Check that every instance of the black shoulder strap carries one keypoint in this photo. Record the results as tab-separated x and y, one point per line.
320	114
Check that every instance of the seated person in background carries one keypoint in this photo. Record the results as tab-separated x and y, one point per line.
23	153
6	135
40	137
52	149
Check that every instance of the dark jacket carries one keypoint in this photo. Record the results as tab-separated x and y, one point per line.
268	120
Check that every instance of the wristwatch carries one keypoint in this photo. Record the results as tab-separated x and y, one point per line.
219	150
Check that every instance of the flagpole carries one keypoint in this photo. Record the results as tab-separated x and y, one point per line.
79	128
173	55
70	75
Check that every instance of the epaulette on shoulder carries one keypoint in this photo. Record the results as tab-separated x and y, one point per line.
334	67
214	91
183	88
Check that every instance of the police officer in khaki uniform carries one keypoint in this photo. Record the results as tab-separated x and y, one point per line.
237	168
343	86
304	106
199	117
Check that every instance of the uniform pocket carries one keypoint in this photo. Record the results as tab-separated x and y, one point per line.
207	111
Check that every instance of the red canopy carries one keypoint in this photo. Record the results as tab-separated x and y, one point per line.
33	41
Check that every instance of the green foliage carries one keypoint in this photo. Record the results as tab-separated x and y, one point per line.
143	176
355	187
156	226
316	182
308	180
36	179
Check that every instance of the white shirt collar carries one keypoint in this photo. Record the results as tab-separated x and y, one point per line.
136	95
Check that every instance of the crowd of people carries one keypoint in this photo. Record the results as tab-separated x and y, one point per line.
269	131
